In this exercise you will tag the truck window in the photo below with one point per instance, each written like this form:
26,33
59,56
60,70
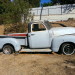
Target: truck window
38,27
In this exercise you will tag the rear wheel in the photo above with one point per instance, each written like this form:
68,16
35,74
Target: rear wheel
67,49
8,49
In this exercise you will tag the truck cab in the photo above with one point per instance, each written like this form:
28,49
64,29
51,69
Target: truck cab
38,35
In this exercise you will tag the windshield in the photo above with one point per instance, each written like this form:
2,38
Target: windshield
47,24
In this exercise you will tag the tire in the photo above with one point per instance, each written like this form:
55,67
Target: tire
8,49
67,49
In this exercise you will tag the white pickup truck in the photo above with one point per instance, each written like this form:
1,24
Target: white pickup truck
40,36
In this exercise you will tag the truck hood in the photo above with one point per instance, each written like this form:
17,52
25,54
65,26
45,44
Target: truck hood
57,31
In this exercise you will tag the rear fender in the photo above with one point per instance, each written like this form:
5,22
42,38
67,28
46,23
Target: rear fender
11,41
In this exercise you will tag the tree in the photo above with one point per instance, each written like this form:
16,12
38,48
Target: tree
47,4
1,8
63,1
21,8
11,12
54,2
34,3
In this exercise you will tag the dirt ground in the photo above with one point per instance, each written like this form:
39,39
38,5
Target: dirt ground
37,64
68,23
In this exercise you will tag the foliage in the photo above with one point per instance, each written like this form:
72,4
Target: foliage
63,1
54,2
34,3
47,4
11,12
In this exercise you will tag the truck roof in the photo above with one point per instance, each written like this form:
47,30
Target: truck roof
45,22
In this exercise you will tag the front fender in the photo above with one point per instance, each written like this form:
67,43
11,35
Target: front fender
57,41
11,41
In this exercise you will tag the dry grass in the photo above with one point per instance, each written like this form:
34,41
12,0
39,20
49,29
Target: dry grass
1,29
15,28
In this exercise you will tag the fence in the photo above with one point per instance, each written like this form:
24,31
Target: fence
54,13
54,10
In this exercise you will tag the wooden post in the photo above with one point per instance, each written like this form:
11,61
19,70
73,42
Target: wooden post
48,11
61,9
41,12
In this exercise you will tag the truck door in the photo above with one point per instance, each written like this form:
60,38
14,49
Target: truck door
39,36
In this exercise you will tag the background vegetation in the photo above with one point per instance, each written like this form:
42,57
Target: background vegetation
54,2
13,11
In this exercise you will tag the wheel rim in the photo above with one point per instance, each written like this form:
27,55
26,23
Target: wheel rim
7,50
68,49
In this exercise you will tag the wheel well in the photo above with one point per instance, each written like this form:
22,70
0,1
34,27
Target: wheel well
67,42
10,45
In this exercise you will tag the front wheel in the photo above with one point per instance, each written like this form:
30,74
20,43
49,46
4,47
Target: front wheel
67,49
8,49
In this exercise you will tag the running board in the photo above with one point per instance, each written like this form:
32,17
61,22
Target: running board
35,50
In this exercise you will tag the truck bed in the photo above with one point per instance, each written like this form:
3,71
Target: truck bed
20,37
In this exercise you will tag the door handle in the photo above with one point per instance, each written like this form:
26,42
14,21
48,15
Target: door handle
32,34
